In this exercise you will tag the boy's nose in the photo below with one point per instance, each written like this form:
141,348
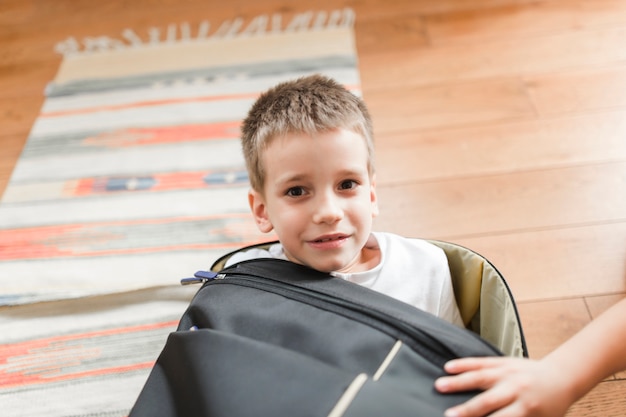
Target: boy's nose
328,210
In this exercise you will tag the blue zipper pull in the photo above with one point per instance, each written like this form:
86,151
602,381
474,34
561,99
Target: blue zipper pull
201,277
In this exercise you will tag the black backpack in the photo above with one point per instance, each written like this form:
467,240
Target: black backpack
268,337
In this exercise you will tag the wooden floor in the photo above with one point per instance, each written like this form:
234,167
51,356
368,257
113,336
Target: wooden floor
501,125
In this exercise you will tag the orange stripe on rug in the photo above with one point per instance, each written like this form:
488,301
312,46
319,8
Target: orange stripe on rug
127,237
162,135
149,103
41,360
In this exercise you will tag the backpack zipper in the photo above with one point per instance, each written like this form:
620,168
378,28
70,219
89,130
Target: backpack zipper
430,348
202,277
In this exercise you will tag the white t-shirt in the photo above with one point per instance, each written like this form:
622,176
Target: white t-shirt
410,270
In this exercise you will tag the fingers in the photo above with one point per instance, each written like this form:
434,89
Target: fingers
471,374
457,366
467,381
512,387
483,404
477,373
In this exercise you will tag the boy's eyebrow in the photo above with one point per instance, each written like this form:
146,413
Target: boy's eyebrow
285,179
356,172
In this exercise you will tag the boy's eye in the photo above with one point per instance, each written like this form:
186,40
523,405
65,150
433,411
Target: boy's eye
295,192
347,185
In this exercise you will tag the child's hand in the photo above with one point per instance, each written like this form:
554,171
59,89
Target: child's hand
512,388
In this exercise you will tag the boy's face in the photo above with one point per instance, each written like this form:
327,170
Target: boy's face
319,199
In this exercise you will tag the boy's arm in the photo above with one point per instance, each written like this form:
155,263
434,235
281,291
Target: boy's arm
547,387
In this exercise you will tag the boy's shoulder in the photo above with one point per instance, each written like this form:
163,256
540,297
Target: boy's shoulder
274,250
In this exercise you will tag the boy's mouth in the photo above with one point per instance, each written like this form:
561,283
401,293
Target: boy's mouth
329,238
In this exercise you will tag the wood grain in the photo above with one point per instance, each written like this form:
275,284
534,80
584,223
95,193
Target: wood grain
606,400
491,148
417,108
521,21
578,91
504,203
18,114
566,318
495,58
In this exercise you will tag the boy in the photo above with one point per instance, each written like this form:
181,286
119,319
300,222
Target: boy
308,146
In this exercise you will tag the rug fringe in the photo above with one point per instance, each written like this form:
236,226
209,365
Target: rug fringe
177,33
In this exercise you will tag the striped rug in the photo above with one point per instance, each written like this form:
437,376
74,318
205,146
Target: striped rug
132,174
131,179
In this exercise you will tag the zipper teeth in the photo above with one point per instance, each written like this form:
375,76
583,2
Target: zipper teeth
439,353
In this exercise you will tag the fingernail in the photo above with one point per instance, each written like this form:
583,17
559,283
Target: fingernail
450,365
441,384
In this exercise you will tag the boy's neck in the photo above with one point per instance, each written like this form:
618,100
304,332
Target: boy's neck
369,257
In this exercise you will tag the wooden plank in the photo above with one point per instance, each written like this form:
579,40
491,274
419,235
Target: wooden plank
578,91
408,108
566,318
598,304
608,399
557,263
428,7
19,114
500,148
26,79
504,203
492,59
18,12
115,15
524,20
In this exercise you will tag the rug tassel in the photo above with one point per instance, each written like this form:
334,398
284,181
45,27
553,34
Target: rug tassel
259,25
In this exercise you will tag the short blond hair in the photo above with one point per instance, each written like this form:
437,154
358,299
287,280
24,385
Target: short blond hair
308,105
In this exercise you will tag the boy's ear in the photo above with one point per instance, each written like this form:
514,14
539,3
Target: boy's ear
373,196
259,211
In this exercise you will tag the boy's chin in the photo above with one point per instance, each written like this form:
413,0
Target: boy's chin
327,263
326,267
